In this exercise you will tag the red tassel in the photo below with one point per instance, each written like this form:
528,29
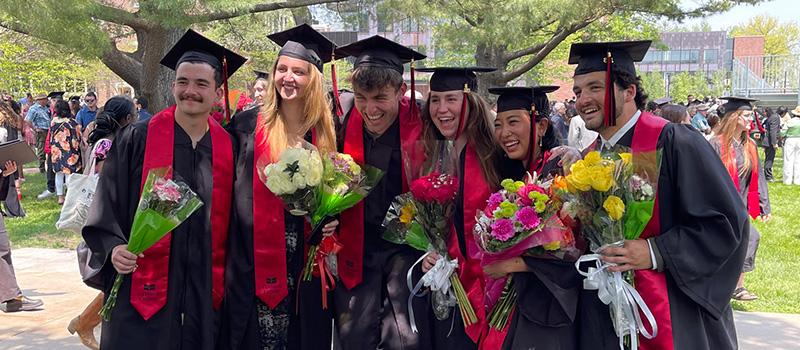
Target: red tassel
225,85
463,112
610,105
413,104
335,84
533,137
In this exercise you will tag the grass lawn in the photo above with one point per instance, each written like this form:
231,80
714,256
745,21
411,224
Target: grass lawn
775,279
38,228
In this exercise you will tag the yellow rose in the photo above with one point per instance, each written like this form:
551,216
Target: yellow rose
592,158
407,213
580,177
602,178
552,245
626,158
615,207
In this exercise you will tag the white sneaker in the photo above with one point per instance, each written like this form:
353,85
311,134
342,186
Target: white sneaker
45,194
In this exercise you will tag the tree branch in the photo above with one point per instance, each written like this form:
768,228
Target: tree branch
510,56
118,16
216,16
122,64
549,46
15,28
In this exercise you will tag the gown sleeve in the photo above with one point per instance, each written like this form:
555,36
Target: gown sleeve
763,191
549,293
704,224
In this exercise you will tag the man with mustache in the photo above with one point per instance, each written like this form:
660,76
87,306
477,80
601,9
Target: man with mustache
170,294
688,259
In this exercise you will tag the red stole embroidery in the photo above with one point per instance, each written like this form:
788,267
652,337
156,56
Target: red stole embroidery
351,233
652,285
149,281
269,234
729,159
470,272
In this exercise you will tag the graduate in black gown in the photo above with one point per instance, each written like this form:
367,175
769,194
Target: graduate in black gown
739,154
170,294
267,305
453,111
547,288
371,299
689,257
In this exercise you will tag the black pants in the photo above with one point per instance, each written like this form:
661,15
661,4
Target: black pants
769,159
51,176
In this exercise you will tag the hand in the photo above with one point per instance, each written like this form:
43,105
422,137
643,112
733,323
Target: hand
775,147
123,260
635,255
11,167
500,269
766,218
429,261
330,228
568,155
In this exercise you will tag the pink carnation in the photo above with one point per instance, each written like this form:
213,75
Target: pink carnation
494,201
503,229
527,216
524,193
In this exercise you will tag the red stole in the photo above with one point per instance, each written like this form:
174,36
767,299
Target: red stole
729,159
650,284
149,281
351,233
469,270
538,165
269,234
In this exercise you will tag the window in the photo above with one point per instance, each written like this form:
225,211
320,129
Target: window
384,25
410,25
682,56
710,56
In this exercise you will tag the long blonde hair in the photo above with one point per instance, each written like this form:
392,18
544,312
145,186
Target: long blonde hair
316,111
727,133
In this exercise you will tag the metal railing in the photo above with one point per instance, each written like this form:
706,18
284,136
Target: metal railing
765,75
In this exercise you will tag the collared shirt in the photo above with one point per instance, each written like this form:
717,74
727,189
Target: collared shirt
608,144
85,116
699,122
144,115
39,116
579,136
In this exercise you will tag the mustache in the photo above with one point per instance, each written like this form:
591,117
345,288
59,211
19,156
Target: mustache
184,97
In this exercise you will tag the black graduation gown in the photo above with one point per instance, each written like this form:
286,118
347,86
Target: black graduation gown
700,212
547,296
374,313
188,320
310,328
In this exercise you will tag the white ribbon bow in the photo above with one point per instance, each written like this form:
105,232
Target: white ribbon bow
437,278
612,290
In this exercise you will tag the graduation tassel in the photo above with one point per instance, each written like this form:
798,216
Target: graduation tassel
413,103
463,111
610,105
225,85
335,84
532,139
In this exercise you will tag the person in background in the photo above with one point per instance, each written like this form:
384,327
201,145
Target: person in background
713,124
699,121
579,136
739,154
87,114
558,119
675,114
11,125
38,118
75,105
141,105
65,152
791,148
771,139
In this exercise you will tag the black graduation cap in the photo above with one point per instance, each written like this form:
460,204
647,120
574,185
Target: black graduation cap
662,101
377,51
533,99
736,103
454,78
55,94
260,74
305,43
193,47
600,57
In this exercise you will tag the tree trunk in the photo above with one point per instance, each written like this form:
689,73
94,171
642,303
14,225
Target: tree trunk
490,56
301,15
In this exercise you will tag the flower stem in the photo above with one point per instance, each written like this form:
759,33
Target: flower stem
105,312
467,312
308,271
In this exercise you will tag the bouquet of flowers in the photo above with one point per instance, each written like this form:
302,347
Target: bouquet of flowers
614,196
294,178
422,219
163,205
518,218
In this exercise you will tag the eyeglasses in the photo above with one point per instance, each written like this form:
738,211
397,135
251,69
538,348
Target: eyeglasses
89,100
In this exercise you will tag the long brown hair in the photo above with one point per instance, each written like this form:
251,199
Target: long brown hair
8,116
317,114
727,133
478,130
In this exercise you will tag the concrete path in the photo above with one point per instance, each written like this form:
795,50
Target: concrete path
52,275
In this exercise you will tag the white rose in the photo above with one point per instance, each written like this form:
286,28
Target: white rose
285,184
274,185
299,181
314,175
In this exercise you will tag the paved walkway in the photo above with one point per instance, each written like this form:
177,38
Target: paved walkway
52,275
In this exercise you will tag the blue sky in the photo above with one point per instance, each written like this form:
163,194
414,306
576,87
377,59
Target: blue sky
784,10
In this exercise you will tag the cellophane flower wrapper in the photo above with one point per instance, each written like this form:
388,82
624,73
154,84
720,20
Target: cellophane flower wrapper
613,197
163,205
519,217
344,184
294,177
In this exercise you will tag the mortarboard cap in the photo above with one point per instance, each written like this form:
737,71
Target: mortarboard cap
55,94
522,97
260,74
377,51
662,101
305,43
591,57
454,78
736,103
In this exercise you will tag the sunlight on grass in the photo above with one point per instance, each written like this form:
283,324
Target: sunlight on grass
38,228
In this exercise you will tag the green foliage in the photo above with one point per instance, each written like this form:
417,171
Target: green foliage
688,83
779,38
653,84
38,229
